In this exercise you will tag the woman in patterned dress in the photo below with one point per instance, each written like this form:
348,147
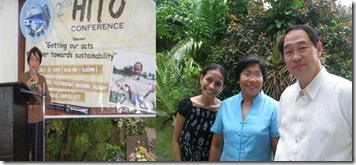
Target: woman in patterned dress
191,135
35,81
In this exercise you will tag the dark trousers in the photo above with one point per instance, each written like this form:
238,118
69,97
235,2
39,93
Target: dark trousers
35,137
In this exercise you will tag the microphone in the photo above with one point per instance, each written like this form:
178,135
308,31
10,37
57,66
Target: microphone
22,90
33,82
44,89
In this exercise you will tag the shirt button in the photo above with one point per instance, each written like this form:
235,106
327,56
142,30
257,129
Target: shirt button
297,140
300,119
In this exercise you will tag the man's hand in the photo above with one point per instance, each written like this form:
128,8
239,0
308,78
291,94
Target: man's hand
153,88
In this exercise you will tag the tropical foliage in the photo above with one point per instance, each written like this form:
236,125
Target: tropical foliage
192,26
176,79
193,33
91,139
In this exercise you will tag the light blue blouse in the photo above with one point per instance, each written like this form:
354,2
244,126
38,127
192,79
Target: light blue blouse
248,140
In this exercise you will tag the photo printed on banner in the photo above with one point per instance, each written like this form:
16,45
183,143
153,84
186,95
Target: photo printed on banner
133,82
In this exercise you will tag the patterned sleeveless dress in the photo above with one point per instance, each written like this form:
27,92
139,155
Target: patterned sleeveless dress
195,138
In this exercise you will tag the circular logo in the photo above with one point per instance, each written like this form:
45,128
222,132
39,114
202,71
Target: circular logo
36,19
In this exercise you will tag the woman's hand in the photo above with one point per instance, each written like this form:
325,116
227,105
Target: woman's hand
31,80
28,82
34,77
39,88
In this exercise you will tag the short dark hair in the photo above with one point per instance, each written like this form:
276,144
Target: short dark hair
34,50
247,61
140,65
310,31
214,66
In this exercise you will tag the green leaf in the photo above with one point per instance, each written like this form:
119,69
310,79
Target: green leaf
279,23
287,12
271,26
291,23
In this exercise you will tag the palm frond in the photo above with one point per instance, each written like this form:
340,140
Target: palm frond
278,77
186,46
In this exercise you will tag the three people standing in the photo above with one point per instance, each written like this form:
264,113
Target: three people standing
311,122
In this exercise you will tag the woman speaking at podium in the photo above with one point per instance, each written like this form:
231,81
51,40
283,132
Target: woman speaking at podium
34,82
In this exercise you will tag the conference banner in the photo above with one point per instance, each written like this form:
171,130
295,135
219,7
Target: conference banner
90,49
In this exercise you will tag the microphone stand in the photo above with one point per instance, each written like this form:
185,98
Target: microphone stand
43,95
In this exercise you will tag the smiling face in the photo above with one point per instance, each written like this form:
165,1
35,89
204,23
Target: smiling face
251,81
212,83
137,69
301,56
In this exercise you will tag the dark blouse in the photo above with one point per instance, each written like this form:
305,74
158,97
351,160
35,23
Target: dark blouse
195,138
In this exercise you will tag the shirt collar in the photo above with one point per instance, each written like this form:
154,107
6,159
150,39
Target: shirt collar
255,99
258,97
313,87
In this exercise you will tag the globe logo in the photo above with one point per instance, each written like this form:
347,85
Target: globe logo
36,19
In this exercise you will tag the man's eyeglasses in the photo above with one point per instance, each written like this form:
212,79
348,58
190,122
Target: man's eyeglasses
249,75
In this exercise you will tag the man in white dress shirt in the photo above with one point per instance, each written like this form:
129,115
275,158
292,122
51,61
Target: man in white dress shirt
315,114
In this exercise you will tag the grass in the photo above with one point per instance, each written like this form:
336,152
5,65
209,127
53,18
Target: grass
164,143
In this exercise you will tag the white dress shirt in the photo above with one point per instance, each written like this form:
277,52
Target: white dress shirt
315,123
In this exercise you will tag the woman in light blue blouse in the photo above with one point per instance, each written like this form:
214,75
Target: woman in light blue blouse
245,128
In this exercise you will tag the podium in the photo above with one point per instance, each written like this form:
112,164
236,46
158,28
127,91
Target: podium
13,121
